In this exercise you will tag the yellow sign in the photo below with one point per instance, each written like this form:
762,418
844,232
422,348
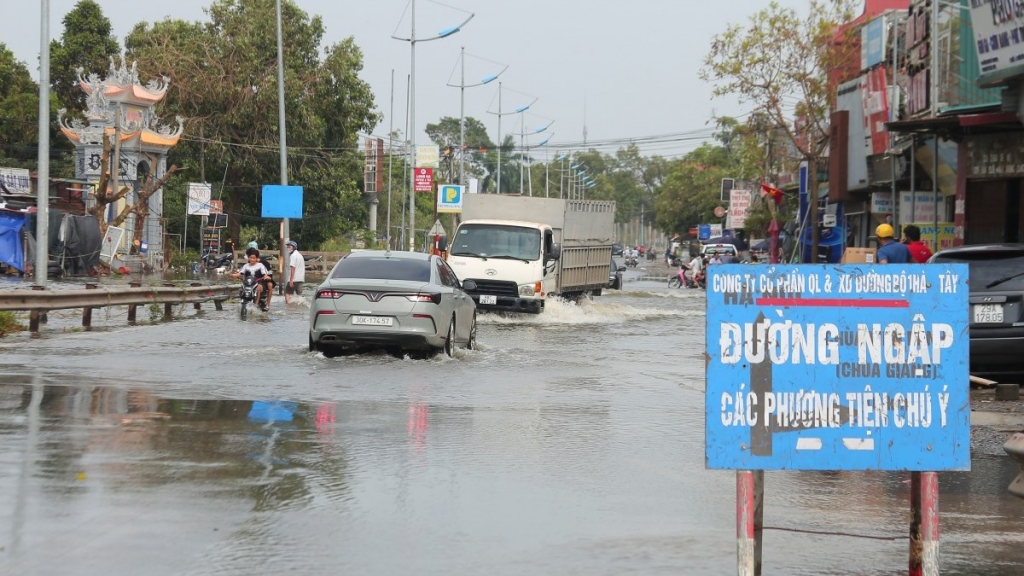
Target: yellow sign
947,233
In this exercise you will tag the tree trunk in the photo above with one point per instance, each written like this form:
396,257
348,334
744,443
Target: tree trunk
812,211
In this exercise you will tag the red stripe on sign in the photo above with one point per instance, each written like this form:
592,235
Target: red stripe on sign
832,303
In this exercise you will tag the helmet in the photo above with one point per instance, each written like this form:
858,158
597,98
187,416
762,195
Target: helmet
884,231
292,244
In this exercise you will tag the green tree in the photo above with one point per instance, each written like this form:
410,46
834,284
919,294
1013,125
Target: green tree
224,81
86,43
478,144
19,112
691,191
779,63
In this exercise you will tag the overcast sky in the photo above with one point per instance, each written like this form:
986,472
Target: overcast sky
625,70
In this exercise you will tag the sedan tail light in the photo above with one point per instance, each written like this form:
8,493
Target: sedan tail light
332,294
425,297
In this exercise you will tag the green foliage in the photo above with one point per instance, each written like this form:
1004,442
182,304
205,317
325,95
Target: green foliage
9,324
19,112
224,81
183,259
87,43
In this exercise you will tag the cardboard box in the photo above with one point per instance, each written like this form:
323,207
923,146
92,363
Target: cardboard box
858,256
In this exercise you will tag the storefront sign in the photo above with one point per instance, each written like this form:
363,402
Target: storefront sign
881,203
998,40
995,155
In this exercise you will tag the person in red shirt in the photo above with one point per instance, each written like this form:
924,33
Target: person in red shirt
919,251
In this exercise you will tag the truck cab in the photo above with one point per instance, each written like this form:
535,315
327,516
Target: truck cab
510,261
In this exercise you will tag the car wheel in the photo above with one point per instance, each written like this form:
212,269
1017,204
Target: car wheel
312,344
449,341
471,343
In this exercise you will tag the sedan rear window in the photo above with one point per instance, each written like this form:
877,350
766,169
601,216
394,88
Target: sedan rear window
993,270
383,269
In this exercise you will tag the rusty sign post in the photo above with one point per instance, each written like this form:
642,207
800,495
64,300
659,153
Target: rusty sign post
851,367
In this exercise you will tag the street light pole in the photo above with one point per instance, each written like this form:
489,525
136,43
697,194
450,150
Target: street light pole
462,108
284,147
522,108
43,172
412,110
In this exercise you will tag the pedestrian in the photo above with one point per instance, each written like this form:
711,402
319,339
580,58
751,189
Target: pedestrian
252,243
919,251
889,250
229,248
297,272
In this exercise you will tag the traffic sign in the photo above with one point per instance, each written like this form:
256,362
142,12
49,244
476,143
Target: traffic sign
449,199
824,367
423,180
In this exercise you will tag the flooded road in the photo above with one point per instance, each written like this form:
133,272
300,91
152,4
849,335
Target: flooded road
569,443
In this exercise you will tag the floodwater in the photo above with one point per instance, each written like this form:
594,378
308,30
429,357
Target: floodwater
569,443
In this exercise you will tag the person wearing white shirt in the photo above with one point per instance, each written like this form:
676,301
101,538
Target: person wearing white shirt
296,272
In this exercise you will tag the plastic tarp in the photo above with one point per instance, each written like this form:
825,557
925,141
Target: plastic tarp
11,251
82,244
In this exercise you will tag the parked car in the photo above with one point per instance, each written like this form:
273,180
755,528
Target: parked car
399,301
996,279
616,249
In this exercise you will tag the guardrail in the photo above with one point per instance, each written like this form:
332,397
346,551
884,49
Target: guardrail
38,301
1015,447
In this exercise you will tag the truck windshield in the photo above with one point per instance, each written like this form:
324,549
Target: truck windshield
496,241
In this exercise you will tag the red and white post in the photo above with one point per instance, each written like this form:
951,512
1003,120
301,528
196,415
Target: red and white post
749,521
924,527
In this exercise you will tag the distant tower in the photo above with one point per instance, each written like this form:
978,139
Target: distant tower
584,123
120,99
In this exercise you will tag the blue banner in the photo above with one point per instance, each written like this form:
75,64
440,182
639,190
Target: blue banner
854,367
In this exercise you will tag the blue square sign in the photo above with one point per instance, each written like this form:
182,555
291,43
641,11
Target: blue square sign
281,201
850,367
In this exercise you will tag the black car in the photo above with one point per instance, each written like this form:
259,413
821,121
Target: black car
996,283
616,249
615,276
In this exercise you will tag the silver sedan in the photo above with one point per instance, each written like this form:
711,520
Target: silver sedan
399,301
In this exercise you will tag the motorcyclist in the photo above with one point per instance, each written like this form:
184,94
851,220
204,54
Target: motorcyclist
258,271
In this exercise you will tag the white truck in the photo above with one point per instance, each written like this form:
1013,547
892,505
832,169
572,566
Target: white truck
520,250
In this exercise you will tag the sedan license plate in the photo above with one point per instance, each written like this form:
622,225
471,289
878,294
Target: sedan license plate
372,320
988,313
486,299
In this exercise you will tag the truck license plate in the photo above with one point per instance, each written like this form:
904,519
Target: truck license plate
486,299
372,320
988,313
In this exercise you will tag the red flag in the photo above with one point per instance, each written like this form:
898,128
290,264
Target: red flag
775,193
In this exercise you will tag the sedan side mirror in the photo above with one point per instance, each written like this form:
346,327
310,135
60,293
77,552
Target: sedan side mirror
622,268
468,285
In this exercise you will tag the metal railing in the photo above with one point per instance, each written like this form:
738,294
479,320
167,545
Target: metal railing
37,301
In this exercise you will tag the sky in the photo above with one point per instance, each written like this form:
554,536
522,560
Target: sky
625,71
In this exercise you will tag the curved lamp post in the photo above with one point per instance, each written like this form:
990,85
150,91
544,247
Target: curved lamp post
412,40
523,149
462,106
499,113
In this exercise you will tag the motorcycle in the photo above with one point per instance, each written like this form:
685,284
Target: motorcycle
219,262
680,280
247,294
631,262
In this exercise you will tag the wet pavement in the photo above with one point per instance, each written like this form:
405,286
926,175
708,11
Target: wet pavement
569,443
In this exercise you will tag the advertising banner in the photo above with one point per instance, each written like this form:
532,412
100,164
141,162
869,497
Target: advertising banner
739,202
427,156
449,199
997,40
199,199
423,180
873,43
876,112
16,180
837,367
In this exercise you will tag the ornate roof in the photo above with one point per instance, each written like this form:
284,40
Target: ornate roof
119,99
